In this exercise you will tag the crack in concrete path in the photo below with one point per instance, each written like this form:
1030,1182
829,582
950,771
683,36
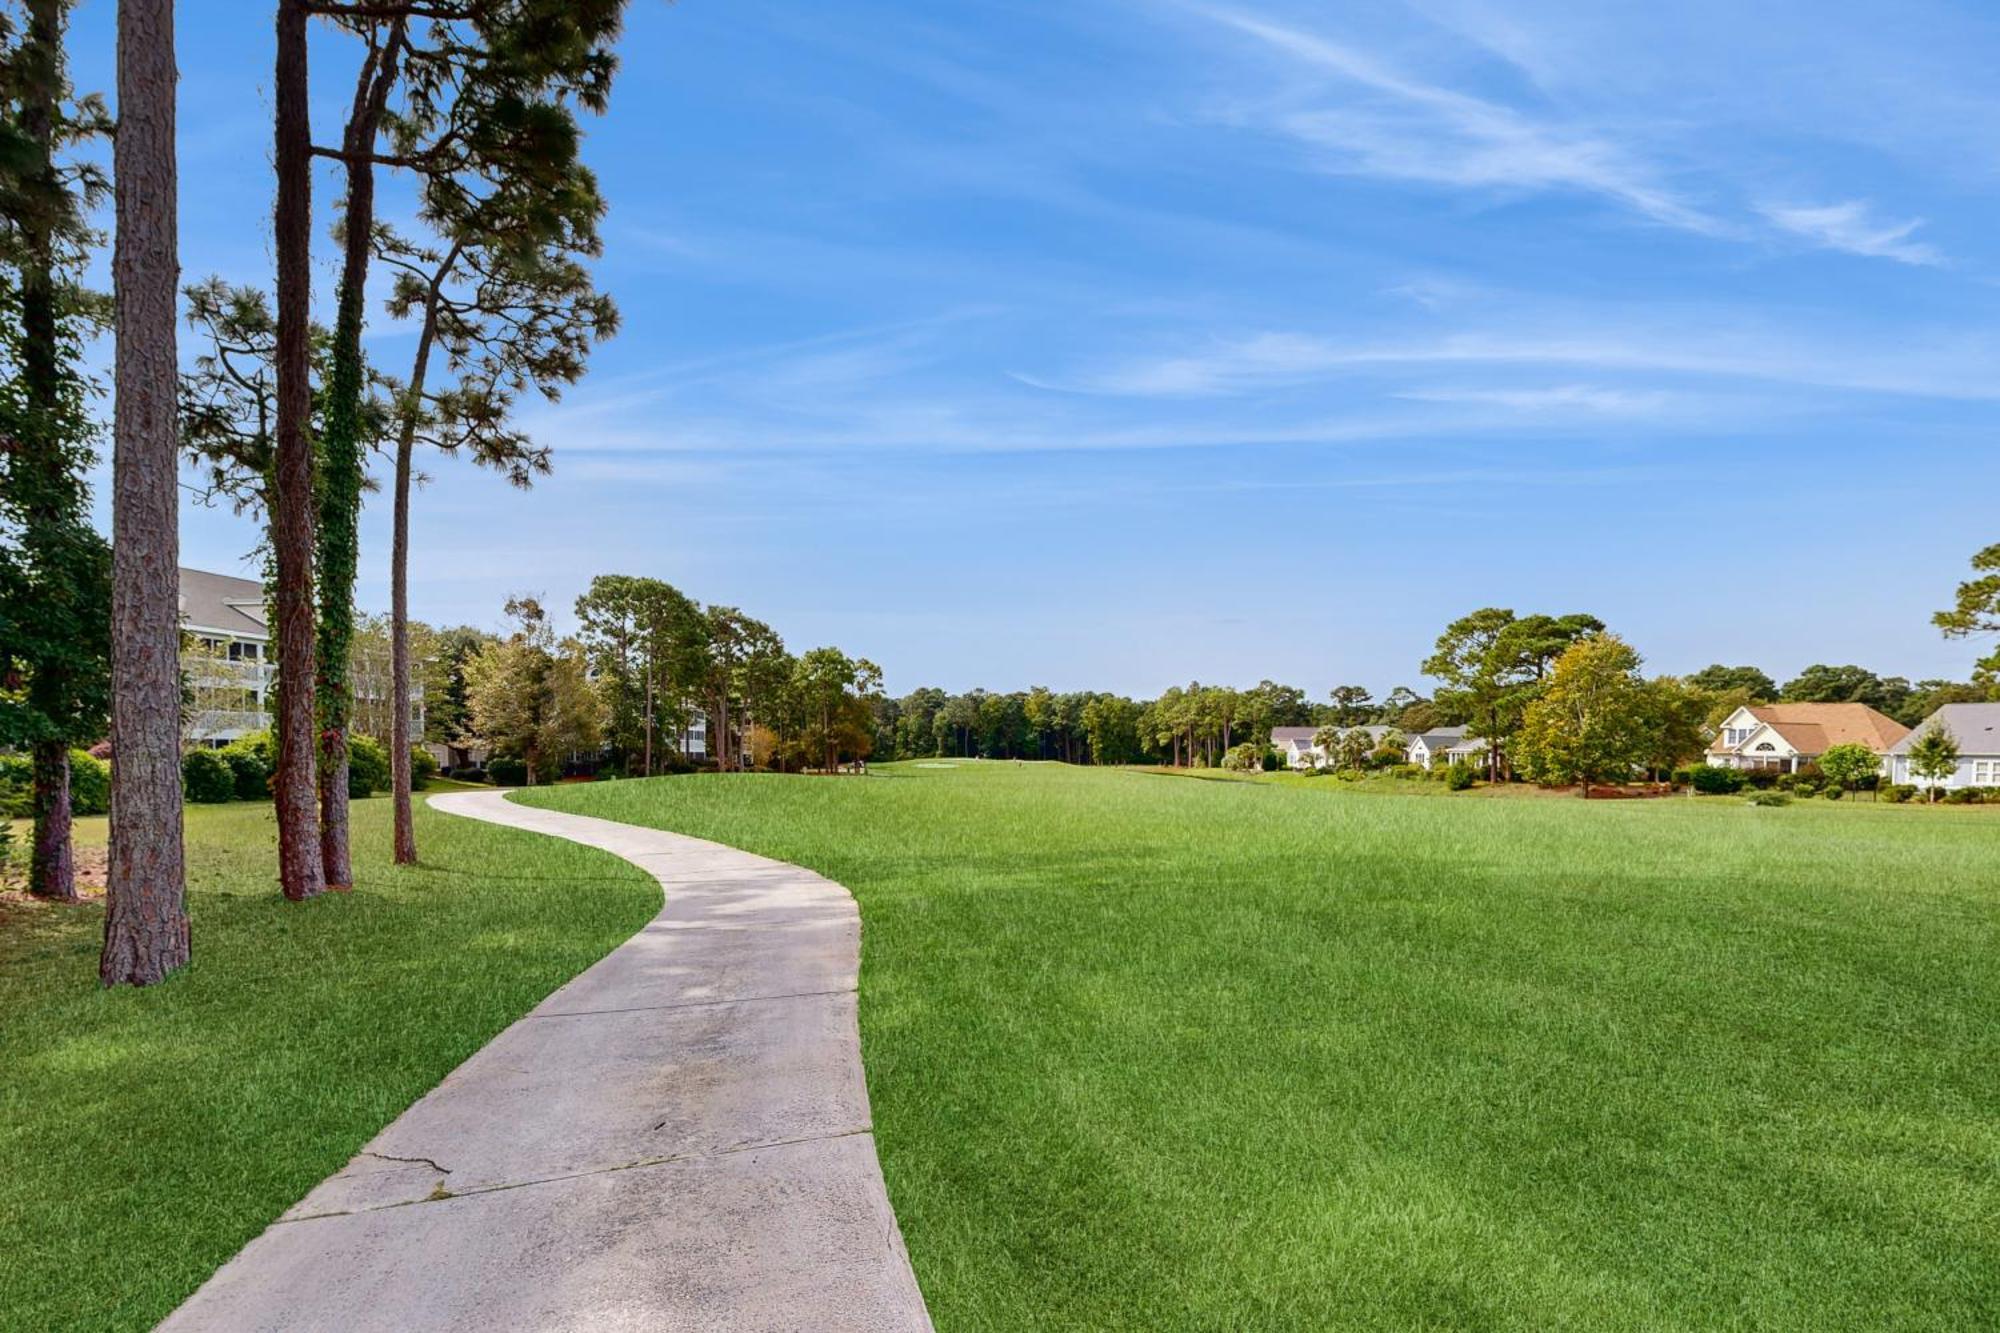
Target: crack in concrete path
681,1060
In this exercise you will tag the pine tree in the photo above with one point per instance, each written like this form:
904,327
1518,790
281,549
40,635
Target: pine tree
55,570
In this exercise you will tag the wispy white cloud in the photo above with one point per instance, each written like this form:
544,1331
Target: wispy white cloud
1962,367
1560,397
1412,129
1852,227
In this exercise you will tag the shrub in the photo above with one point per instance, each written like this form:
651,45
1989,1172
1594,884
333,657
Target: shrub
1245,758
1408,772
1711,780
1833,793
252,773
1805,787
89,784
423,767
1963,796
1898,793
506,772
1458,777
367,767
1769,798
1682,777
207,778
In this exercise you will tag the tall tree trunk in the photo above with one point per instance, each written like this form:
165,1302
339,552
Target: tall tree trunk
300,869
56,500
399,658
52,867
399,585
341,465
145,918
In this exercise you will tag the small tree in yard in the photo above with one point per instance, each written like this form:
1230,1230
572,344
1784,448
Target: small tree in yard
1934,756
1851,764
1590,722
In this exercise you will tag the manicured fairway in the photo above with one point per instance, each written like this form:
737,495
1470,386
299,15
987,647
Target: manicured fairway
1150,1053
145,1136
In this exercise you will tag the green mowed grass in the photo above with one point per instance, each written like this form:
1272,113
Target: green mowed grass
1150,1053
145,1136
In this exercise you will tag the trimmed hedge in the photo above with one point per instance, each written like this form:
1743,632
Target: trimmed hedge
207,778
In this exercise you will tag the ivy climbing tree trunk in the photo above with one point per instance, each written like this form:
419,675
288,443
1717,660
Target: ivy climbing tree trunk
145,918
340,457
301,871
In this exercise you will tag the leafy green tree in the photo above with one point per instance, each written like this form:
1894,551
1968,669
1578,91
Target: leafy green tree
1757,686
55,571
531,697
1353,750
831,693
1111,726
1675,714
1823,684
648,645
1934,756
1977,611
1492,664
1353,705
1590,724
1849,764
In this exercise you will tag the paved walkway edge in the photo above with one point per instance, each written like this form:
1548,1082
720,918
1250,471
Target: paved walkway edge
679,1138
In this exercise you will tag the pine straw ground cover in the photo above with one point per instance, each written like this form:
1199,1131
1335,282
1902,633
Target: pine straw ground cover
1148,1053
146,1135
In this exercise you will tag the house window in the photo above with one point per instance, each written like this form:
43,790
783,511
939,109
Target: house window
240,651
1767,748
1735,735
1986,772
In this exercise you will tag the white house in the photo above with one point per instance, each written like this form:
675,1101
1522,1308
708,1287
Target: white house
1976,728
1446,745
1786,737
1295,746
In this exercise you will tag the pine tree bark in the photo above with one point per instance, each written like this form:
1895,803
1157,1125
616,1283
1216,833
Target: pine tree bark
399,593
145,919
340,464
52,865
300,869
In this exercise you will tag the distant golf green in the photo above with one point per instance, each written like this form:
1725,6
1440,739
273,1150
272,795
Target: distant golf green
1148,1053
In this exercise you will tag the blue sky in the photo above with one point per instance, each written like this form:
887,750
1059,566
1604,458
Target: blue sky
1106,344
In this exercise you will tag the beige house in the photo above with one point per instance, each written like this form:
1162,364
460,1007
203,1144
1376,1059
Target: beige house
1787,737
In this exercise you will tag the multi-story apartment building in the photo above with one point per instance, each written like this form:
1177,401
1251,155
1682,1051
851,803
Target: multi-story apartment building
227,662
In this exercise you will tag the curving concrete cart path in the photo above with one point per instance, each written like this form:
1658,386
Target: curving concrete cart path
677,1139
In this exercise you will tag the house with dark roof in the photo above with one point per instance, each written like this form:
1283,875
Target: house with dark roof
1975,728
1446,745
226,658
1787,737
1295,746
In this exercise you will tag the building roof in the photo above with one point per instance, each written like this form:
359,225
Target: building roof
1282,736
219,602
1442,738
1976,728
1817,728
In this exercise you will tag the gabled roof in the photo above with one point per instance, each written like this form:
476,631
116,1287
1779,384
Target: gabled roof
1817,728
1976,728
217,601
1288,735
1442,738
